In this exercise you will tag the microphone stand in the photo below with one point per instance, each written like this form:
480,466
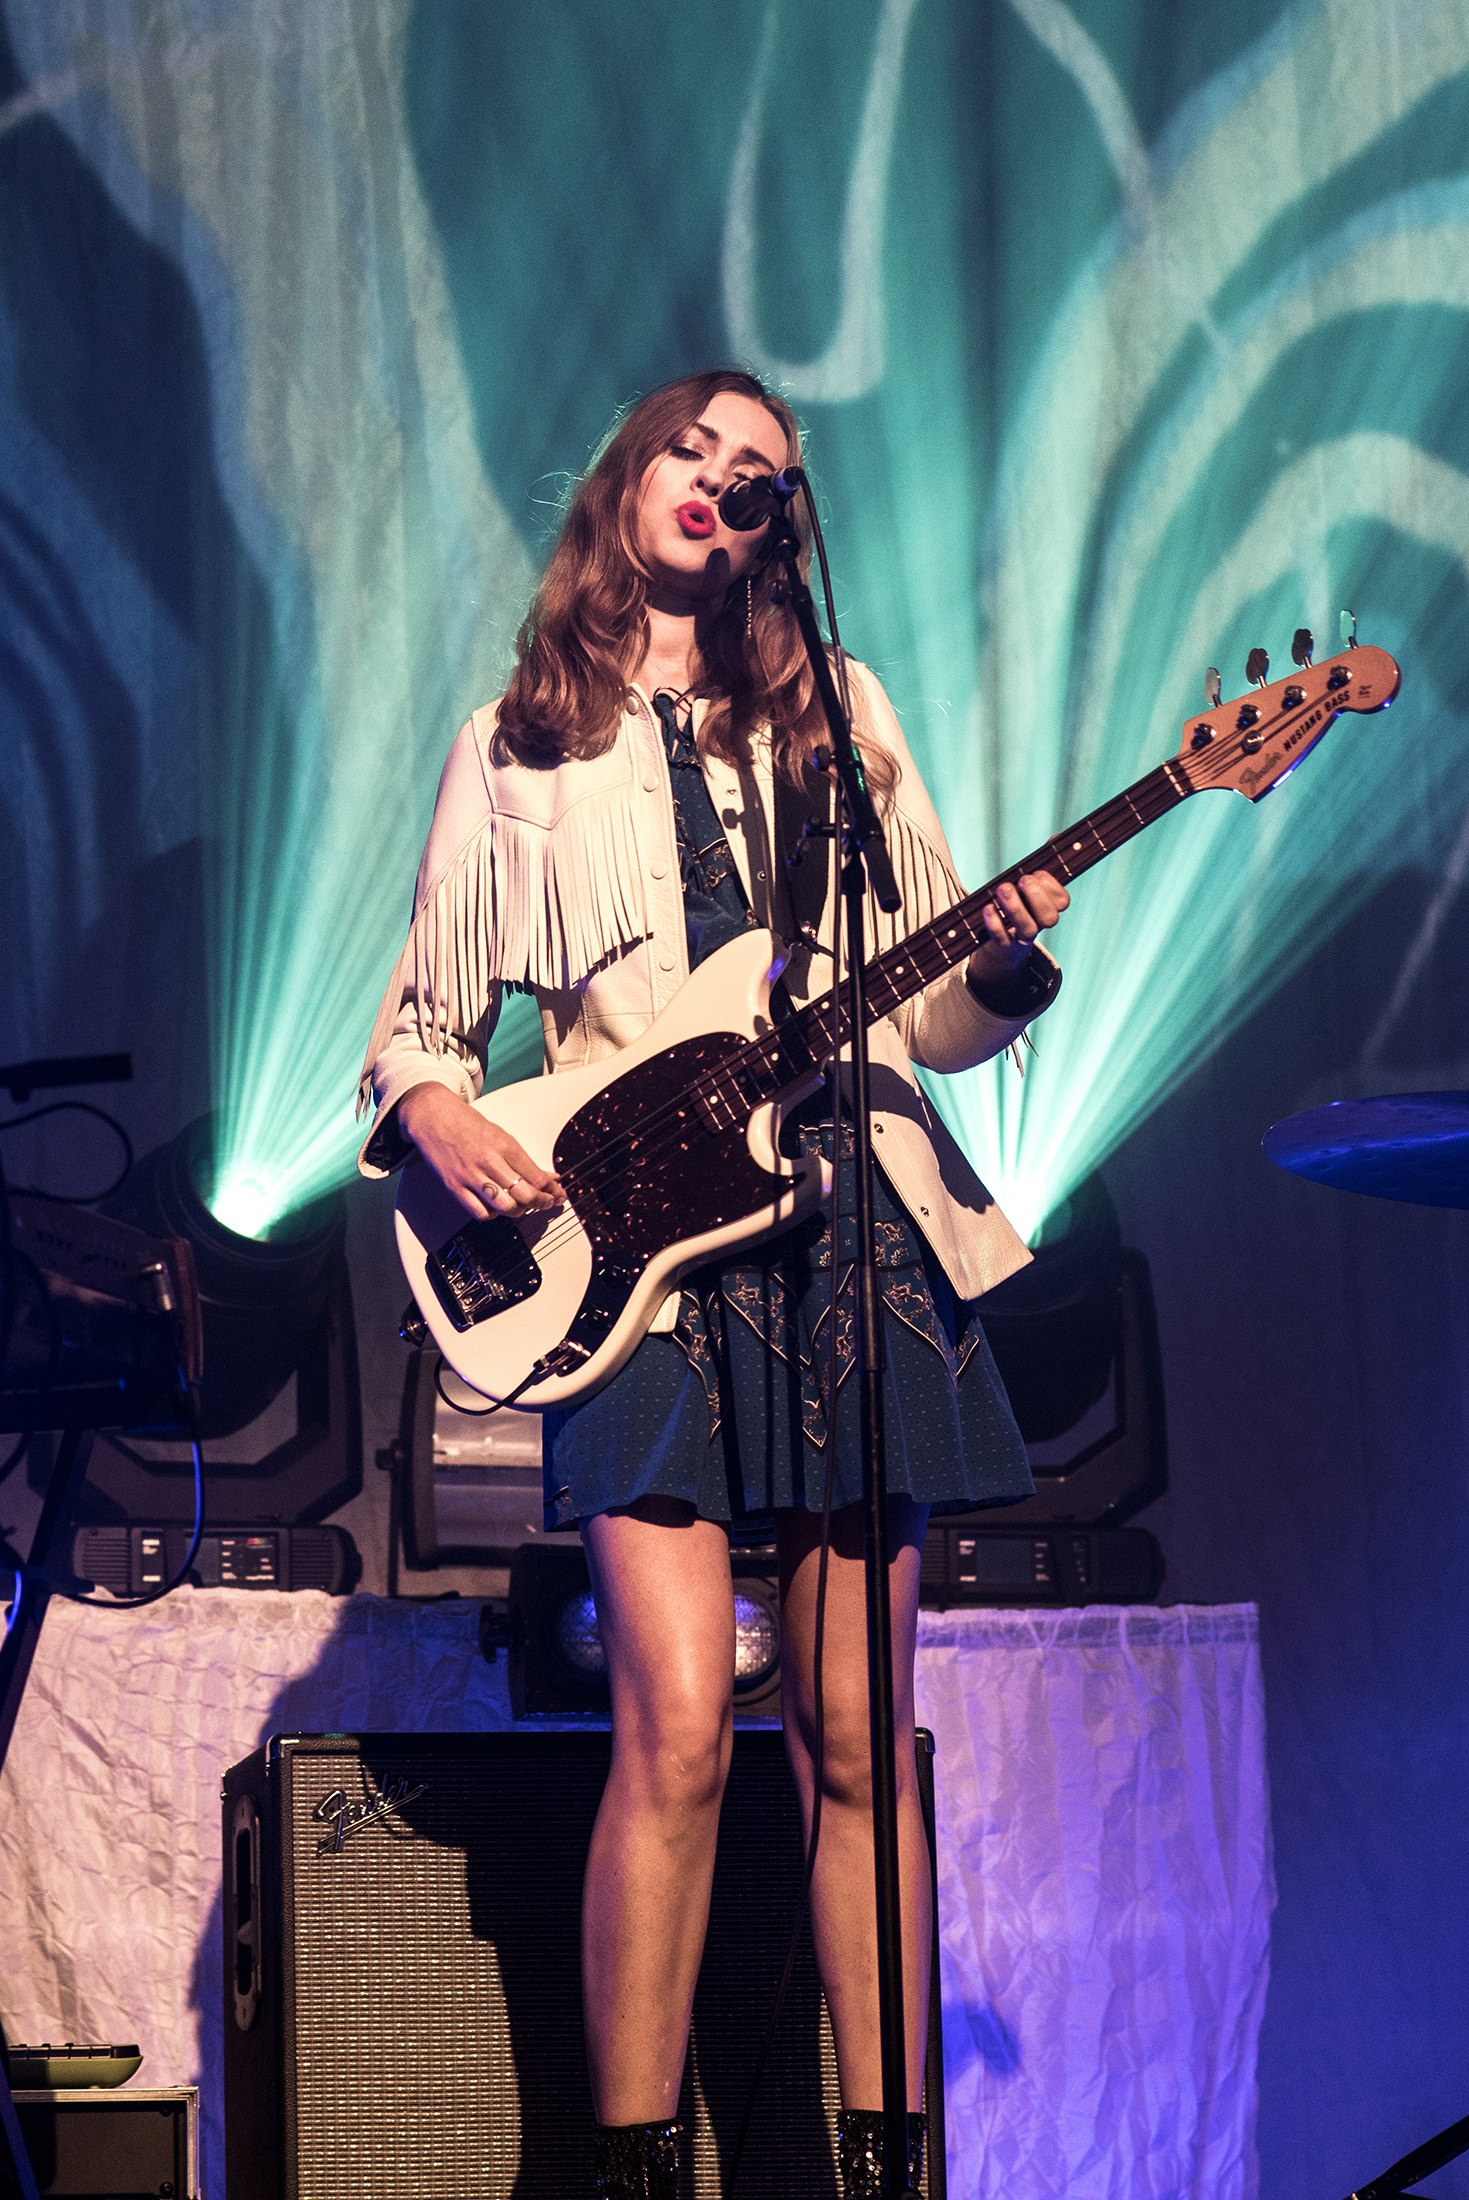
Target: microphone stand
864,856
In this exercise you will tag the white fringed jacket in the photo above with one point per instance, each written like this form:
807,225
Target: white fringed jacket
566,878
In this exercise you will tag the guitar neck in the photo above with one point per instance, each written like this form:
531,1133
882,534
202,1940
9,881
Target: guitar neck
935,947
793,1049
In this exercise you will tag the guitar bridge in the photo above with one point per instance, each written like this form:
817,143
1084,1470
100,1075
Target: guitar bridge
483,1268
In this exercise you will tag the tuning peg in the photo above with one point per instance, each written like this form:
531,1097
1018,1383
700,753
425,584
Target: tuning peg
1349,630
1302,646
1211,686
1257,667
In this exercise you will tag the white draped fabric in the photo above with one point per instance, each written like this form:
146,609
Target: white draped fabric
1104,1856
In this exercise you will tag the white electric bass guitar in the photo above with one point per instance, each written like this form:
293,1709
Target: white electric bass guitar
669,1155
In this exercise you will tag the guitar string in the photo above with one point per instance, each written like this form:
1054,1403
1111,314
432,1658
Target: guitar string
658,1137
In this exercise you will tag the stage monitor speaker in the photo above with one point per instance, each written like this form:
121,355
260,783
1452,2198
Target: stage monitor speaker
402,2005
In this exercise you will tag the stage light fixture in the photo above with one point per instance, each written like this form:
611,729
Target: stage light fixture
245,1203
1054,1325
757,1633
558,1668
578,1637
467,1487
1075,1339
279,1359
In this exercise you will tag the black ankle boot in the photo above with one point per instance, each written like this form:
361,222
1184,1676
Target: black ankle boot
637,2162
859,2151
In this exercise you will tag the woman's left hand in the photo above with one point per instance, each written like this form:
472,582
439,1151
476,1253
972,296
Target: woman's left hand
1014,921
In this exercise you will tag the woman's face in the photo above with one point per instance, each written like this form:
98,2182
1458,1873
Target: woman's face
689,551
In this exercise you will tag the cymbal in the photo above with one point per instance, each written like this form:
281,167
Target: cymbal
1405,1145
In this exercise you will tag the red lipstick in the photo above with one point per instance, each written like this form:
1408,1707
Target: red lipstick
696,520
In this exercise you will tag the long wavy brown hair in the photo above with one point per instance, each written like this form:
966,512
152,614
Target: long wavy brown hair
587,628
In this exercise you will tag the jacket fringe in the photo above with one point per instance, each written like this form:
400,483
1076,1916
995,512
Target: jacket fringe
522,906
926,883
517,906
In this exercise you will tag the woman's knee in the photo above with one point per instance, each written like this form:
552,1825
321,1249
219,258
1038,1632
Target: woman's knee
673,1753
846,1743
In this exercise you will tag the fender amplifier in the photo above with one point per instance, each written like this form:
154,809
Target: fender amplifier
402,1975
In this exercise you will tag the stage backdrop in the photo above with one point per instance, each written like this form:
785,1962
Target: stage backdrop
1128,336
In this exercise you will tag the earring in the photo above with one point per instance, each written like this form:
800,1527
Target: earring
749,605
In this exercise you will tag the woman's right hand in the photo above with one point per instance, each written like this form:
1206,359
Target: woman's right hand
488,1171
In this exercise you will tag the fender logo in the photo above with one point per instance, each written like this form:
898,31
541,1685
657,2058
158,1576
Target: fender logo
346,1818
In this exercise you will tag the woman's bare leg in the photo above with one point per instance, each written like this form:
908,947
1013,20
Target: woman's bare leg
843,1893
666,1612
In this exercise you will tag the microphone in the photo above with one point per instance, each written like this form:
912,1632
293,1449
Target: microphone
749,504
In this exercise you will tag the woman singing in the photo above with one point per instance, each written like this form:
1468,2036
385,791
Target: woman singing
622,813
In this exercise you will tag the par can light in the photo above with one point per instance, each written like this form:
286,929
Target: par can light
558,1668
578,1638
757,1636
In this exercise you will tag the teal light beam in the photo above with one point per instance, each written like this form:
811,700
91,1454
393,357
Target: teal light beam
270,159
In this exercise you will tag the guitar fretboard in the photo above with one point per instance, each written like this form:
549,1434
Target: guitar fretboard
791,1051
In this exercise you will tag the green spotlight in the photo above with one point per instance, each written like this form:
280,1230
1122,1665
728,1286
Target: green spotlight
246,1203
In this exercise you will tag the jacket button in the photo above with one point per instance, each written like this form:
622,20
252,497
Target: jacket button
665,962
761,876
650,784
657,870
923,1210
878,1128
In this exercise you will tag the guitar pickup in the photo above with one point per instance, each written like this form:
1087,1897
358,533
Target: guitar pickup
483,1268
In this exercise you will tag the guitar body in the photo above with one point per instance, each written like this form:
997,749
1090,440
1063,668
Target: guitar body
576,1288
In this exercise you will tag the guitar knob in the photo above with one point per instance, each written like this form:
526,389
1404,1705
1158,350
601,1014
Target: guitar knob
1340,678
1249,716
1293,698
1203,734
1257,667
1302,645
1252,742
1211,687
